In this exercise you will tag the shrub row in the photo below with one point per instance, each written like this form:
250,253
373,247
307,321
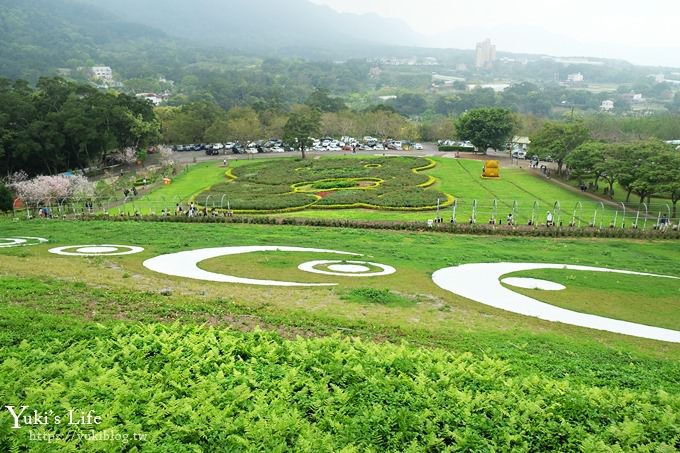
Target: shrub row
456,148
444,227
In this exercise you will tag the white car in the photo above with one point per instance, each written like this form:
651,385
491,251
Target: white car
519,154
418,146
278,149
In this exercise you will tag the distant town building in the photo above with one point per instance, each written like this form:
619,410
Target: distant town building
153,97
374,72
638,97
102,72
575,78
461,67
520,142
659,78
607,105
575,60
485,54
387,97
497,87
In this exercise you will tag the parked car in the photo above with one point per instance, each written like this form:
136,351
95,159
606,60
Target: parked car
417,146
519,154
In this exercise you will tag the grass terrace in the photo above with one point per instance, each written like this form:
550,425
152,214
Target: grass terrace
384,363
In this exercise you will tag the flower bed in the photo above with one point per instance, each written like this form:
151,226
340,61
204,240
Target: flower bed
392,183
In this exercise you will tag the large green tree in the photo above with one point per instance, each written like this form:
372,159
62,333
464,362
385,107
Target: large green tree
642,167
558,140
585,160
671,183
303,123
6,198
487,127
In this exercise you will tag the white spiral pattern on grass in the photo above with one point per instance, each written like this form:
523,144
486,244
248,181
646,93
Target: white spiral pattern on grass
480,282
96,250
20,241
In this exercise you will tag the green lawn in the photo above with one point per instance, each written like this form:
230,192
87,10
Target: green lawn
165,356
531,195
184,186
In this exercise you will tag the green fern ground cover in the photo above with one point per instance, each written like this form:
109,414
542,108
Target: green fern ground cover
186,370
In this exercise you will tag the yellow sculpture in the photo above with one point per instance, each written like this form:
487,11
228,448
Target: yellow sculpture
492,169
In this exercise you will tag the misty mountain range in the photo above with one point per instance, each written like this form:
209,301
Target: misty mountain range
37,36
261,25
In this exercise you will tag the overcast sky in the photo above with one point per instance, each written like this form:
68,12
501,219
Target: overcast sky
643,32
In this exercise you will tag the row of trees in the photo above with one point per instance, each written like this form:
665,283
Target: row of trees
642,167
207,122
59,125
646,168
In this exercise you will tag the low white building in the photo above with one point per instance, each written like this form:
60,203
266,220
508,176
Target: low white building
518,142
575,78
607,105
153,97
102,72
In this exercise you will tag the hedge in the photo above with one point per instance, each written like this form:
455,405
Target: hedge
444,227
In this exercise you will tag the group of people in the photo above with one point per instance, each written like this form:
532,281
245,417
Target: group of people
130,192
194,211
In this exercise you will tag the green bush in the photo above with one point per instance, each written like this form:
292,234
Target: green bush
456,148
6,198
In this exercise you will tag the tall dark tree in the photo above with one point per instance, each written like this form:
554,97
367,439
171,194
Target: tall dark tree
487,127
558,140
642,169
6,198
321,100
671,183
302,124
583,162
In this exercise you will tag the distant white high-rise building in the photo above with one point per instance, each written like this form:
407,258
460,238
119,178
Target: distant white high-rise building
485,54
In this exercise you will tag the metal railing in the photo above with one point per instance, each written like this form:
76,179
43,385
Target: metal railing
520,212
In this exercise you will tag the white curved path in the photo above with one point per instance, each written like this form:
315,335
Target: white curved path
185,264
480,282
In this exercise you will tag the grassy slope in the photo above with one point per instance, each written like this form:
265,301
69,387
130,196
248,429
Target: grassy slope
184,186
72,323
435,317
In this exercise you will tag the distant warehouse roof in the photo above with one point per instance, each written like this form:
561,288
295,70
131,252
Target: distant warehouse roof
521,140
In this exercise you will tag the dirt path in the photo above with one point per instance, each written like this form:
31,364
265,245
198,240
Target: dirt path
571,188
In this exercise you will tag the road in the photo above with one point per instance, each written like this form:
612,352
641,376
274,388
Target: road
429,150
